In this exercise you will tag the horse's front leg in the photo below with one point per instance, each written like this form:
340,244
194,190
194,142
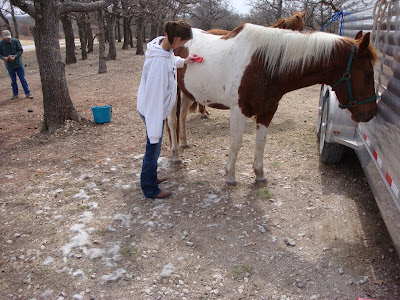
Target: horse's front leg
237,123
173,124
185,105
258,165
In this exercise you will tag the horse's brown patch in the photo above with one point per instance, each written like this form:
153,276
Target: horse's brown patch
234,32
217,31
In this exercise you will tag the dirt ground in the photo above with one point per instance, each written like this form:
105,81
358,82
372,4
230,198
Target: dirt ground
75,225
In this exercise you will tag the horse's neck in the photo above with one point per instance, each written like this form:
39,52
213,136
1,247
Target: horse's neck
317,73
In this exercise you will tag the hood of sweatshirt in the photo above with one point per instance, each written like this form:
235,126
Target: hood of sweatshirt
154,49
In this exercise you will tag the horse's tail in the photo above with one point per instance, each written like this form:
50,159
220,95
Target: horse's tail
193,107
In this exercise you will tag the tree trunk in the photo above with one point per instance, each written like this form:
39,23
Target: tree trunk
89,34
81,21
153,30
125,25
130,37
69,39
139,36
279,12
112,50
102,43
7,23
57,103
14,22
119,30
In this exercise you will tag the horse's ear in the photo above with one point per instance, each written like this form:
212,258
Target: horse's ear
358,35
303,14
364,43
295,12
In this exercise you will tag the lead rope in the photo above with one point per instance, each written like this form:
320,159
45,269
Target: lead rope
379,15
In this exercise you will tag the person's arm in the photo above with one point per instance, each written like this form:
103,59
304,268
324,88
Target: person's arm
19,50
2,55
156,85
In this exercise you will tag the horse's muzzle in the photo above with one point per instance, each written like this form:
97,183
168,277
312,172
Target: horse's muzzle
363,116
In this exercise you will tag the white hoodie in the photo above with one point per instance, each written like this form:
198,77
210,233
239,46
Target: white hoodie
158,86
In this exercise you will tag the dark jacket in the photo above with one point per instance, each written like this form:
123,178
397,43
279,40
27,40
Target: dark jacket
11,48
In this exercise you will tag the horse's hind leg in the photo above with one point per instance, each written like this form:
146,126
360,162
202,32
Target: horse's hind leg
258,165
185,104
237,123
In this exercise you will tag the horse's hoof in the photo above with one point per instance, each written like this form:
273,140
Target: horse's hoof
185,146
177,161
205,117
261,181
231,183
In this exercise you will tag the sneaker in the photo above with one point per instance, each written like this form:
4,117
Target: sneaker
14,97
29,96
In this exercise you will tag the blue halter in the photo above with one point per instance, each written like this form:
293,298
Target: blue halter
346,77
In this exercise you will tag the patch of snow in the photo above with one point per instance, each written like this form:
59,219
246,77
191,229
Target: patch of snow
81,239
94,253
48,261
82,195
86,217
93,205
58,191
167,270
163,163
79,272
125,220
113,276
76,227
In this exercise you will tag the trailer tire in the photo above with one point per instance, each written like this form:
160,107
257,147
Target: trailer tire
330,153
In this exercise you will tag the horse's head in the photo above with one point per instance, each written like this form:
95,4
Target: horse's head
355,89
295,22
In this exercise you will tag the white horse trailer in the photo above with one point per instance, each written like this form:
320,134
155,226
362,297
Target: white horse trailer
376,143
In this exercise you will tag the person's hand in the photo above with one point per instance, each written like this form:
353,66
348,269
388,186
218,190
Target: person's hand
6,58
12,57
189,59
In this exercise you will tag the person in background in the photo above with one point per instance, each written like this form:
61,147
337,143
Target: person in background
157,95
11,52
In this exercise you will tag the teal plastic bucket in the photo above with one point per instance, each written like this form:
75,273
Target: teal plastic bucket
102,114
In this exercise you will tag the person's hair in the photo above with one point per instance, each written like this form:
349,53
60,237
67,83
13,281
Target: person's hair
179,28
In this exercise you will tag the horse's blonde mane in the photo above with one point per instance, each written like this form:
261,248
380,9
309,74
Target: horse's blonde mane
286,50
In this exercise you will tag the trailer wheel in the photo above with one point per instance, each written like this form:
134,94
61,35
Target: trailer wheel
329,152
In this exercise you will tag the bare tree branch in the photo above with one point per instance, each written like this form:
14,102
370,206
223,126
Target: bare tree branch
73,6
26,6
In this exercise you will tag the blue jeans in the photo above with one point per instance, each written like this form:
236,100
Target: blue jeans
21,74
148,177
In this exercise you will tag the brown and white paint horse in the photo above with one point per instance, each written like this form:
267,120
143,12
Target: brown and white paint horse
249,70
184,105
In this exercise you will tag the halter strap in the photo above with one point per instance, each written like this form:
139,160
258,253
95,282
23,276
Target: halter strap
346,77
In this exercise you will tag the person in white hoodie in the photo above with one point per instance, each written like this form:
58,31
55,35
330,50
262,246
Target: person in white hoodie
157,95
